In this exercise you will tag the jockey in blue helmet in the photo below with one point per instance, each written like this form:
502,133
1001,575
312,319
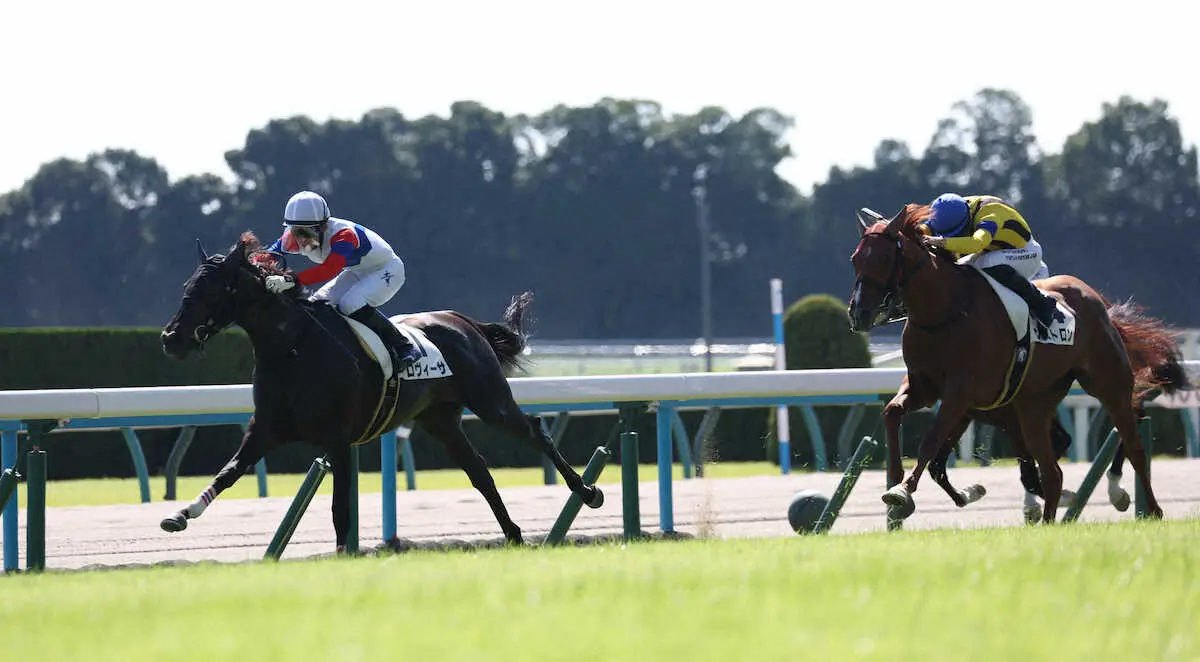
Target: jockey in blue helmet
990,235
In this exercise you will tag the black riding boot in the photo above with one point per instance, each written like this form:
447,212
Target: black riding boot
403,352
1041,306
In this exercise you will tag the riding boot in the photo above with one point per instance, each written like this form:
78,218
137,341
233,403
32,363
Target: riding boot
1041,306
403,352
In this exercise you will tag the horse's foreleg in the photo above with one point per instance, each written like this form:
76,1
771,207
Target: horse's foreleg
937,471
340,506
948,418
908,398
1117,495
248,454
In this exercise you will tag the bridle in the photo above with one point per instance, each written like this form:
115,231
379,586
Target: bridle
890,303
217,320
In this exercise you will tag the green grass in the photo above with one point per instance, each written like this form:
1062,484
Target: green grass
1085,592
110,491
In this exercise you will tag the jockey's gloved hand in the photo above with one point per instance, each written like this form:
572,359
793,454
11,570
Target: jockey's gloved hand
279,284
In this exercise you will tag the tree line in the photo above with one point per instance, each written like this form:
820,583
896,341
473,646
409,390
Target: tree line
594,209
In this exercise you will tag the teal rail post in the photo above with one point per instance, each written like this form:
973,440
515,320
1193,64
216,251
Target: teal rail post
171,471
260,473
35,513
387,479
8,487
1192,430
1146,432
352,531
863,456
260,469
283,534
666,506
846,433
35,489
1067,420
704,433
1103,459
630,511
8,462
555,432
139,462
815,435
683,445
410,463
565,518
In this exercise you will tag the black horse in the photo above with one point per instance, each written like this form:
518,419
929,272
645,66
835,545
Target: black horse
314,382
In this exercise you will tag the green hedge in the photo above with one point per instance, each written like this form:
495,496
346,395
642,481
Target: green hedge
35,358
817,336
114,357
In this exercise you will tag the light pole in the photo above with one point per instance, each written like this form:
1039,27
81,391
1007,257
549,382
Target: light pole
700,191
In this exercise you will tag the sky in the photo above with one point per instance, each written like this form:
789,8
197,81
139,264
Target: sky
184,82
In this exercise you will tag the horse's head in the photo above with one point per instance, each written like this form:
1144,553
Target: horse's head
213,298
888,253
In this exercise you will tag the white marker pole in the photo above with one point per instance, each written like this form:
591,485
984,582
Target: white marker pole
781,412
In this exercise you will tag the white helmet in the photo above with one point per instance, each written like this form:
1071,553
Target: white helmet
305,208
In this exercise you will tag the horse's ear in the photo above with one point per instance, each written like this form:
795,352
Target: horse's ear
895,224
239,250
865,213
200,250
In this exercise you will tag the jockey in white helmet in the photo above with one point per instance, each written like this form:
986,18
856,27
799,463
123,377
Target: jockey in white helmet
362,270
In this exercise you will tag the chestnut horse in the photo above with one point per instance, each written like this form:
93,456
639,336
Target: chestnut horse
958,345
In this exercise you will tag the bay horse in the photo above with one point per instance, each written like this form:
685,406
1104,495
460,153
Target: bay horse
958,345
314,382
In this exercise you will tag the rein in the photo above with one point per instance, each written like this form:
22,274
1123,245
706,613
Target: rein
902,273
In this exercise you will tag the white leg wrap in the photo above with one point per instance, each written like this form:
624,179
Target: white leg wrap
1114,483
196,508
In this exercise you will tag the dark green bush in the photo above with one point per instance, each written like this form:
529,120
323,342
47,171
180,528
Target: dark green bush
817,336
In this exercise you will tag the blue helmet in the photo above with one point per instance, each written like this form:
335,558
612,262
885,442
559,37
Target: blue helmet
950,214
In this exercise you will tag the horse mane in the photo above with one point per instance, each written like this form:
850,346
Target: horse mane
914,215
257,256
911,218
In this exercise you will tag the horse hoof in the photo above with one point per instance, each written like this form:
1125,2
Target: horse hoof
897,496
174,523
1033,514
975,492
1120,500
1154,513
597,498
900,503
1066,498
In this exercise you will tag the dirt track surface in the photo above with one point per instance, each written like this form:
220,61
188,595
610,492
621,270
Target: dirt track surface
239,530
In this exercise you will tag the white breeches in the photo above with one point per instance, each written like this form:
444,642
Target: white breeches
1026,260
351,290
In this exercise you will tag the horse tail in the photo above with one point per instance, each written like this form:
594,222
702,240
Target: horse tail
1153,351
508,338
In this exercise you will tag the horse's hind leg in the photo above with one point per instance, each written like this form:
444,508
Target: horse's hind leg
937,471
1116,396
254,446
444,422
508,416
1035,433
1117,495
